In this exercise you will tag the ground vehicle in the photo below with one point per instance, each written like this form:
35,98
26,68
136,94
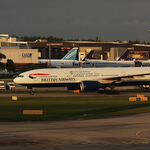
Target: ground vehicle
2,85
144,86
10,86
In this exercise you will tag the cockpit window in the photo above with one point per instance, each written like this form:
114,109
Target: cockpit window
21,76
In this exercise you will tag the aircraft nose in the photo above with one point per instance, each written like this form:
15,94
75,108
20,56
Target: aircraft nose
15,80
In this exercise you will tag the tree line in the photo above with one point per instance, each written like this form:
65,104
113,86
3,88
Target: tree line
53,38
34,38
9,65
11,68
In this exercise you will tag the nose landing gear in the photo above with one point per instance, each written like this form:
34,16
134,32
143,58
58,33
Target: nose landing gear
31,92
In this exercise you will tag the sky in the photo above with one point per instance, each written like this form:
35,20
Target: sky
109,20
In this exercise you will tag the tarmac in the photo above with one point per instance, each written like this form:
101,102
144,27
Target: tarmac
119,133
129,94
72,94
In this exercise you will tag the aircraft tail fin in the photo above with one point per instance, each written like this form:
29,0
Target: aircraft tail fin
124,55
89,55
71,55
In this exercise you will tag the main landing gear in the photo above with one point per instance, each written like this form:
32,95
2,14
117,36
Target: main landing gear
111,91
102,91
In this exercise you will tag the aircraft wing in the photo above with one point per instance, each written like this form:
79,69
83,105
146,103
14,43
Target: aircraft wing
108,80
117,79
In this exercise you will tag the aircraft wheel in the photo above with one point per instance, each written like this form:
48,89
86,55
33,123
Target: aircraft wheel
101,91
31,92
7,87
108,92
112,92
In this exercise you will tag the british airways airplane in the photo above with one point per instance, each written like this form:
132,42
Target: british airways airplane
84,79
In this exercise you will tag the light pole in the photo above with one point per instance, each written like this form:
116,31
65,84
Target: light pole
49,44
49,54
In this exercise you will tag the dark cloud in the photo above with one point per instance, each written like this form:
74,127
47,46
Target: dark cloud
107,19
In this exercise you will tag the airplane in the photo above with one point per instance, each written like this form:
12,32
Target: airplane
137,63
145,62
84,79
124,55
89,55
67,61
106,63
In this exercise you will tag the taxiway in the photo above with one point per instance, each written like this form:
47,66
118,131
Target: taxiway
130,132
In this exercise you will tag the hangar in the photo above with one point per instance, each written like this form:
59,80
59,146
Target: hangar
20,52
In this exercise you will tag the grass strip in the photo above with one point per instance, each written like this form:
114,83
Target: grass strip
66,108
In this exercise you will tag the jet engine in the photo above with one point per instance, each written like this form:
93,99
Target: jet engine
138,63
89,85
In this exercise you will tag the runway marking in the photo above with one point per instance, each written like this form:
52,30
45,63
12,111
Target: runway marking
137,134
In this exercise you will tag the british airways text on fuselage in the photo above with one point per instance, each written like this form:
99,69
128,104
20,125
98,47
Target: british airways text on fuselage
72,75
56,79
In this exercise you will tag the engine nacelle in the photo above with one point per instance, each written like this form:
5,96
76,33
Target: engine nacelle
138,63
89,85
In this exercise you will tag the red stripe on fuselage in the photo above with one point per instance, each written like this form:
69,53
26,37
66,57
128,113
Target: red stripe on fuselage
39,74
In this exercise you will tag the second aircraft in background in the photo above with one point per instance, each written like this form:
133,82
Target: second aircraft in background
69,61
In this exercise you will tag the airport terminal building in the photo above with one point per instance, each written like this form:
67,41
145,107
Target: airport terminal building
20,52
23,53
